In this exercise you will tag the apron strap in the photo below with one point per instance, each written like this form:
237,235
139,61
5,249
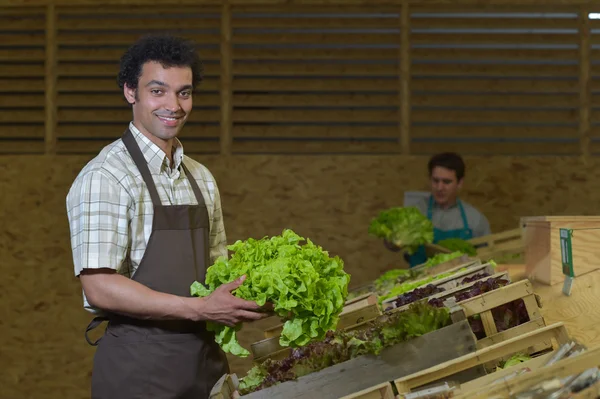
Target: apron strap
430,207
194,184
141,164
96,321
463,215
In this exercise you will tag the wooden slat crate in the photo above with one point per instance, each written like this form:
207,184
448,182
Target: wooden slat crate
444,370
542,246
380,391
453,281
481,388
483,305
364,372
448,293
501,245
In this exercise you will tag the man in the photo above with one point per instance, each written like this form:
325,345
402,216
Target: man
145,223
451,217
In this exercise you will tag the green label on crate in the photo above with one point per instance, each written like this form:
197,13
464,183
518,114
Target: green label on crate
566,252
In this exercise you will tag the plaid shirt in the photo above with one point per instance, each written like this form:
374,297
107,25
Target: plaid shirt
110,210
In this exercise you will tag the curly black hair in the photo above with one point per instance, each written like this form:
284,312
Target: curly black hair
166,49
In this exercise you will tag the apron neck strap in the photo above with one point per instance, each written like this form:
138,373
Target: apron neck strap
194,184
463,214
142,165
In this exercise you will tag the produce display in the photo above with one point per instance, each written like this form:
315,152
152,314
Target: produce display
410,285
417,294
340,346
505,316
307,287
514,360
405,227
458,245
441,258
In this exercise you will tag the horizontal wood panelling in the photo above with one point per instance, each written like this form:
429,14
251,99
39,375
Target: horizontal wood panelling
109,85
21,131
493,116
497,148
495,100
315,132
117,100
318,78
22,85
94,146
115,131
22,100
90,45
17,69
17,146
22,54
480,131
314,146
317,115
22,115
123,115
323,99
83,53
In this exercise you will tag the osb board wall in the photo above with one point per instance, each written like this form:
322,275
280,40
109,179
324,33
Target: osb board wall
329,199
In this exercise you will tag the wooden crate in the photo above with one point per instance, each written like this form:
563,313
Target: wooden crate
450,282
445,370
379,391
364,372
542,246
481,388
462,261
450,292
500,245
483,305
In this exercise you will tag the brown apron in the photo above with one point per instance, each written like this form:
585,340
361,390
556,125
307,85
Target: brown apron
162,359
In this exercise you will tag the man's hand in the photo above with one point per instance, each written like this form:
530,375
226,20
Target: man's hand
224,308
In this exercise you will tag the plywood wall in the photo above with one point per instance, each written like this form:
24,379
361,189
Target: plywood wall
329,199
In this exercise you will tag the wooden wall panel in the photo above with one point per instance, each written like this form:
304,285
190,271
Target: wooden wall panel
302,71
485,78
329,199
22,55
91,108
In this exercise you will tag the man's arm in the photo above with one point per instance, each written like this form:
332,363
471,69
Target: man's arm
112,292
99,211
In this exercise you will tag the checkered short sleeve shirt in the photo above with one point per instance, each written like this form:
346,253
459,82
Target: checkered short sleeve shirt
110,210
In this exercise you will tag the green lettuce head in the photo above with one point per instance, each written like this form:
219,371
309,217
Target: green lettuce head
307,287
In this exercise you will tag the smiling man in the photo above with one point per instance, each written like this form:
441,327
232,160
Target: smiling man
451,217
145,222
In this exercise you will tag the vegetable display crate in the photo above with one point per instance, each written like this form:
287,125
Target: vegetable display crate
365,372
450,282
356,311
518,298
444,371
542,246
360,306
380,391
500,245
508,383
448,293
463,261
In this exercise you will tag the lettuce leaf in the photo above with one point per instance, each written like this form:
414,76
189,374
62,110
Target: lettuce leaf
307,287
405,227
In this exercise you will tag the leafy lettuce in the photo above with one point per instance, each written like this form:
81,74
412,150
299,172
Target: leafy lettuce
404,227
307,287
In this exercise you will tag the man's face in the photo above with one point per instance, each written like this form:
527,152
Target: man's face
162,101
444,185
